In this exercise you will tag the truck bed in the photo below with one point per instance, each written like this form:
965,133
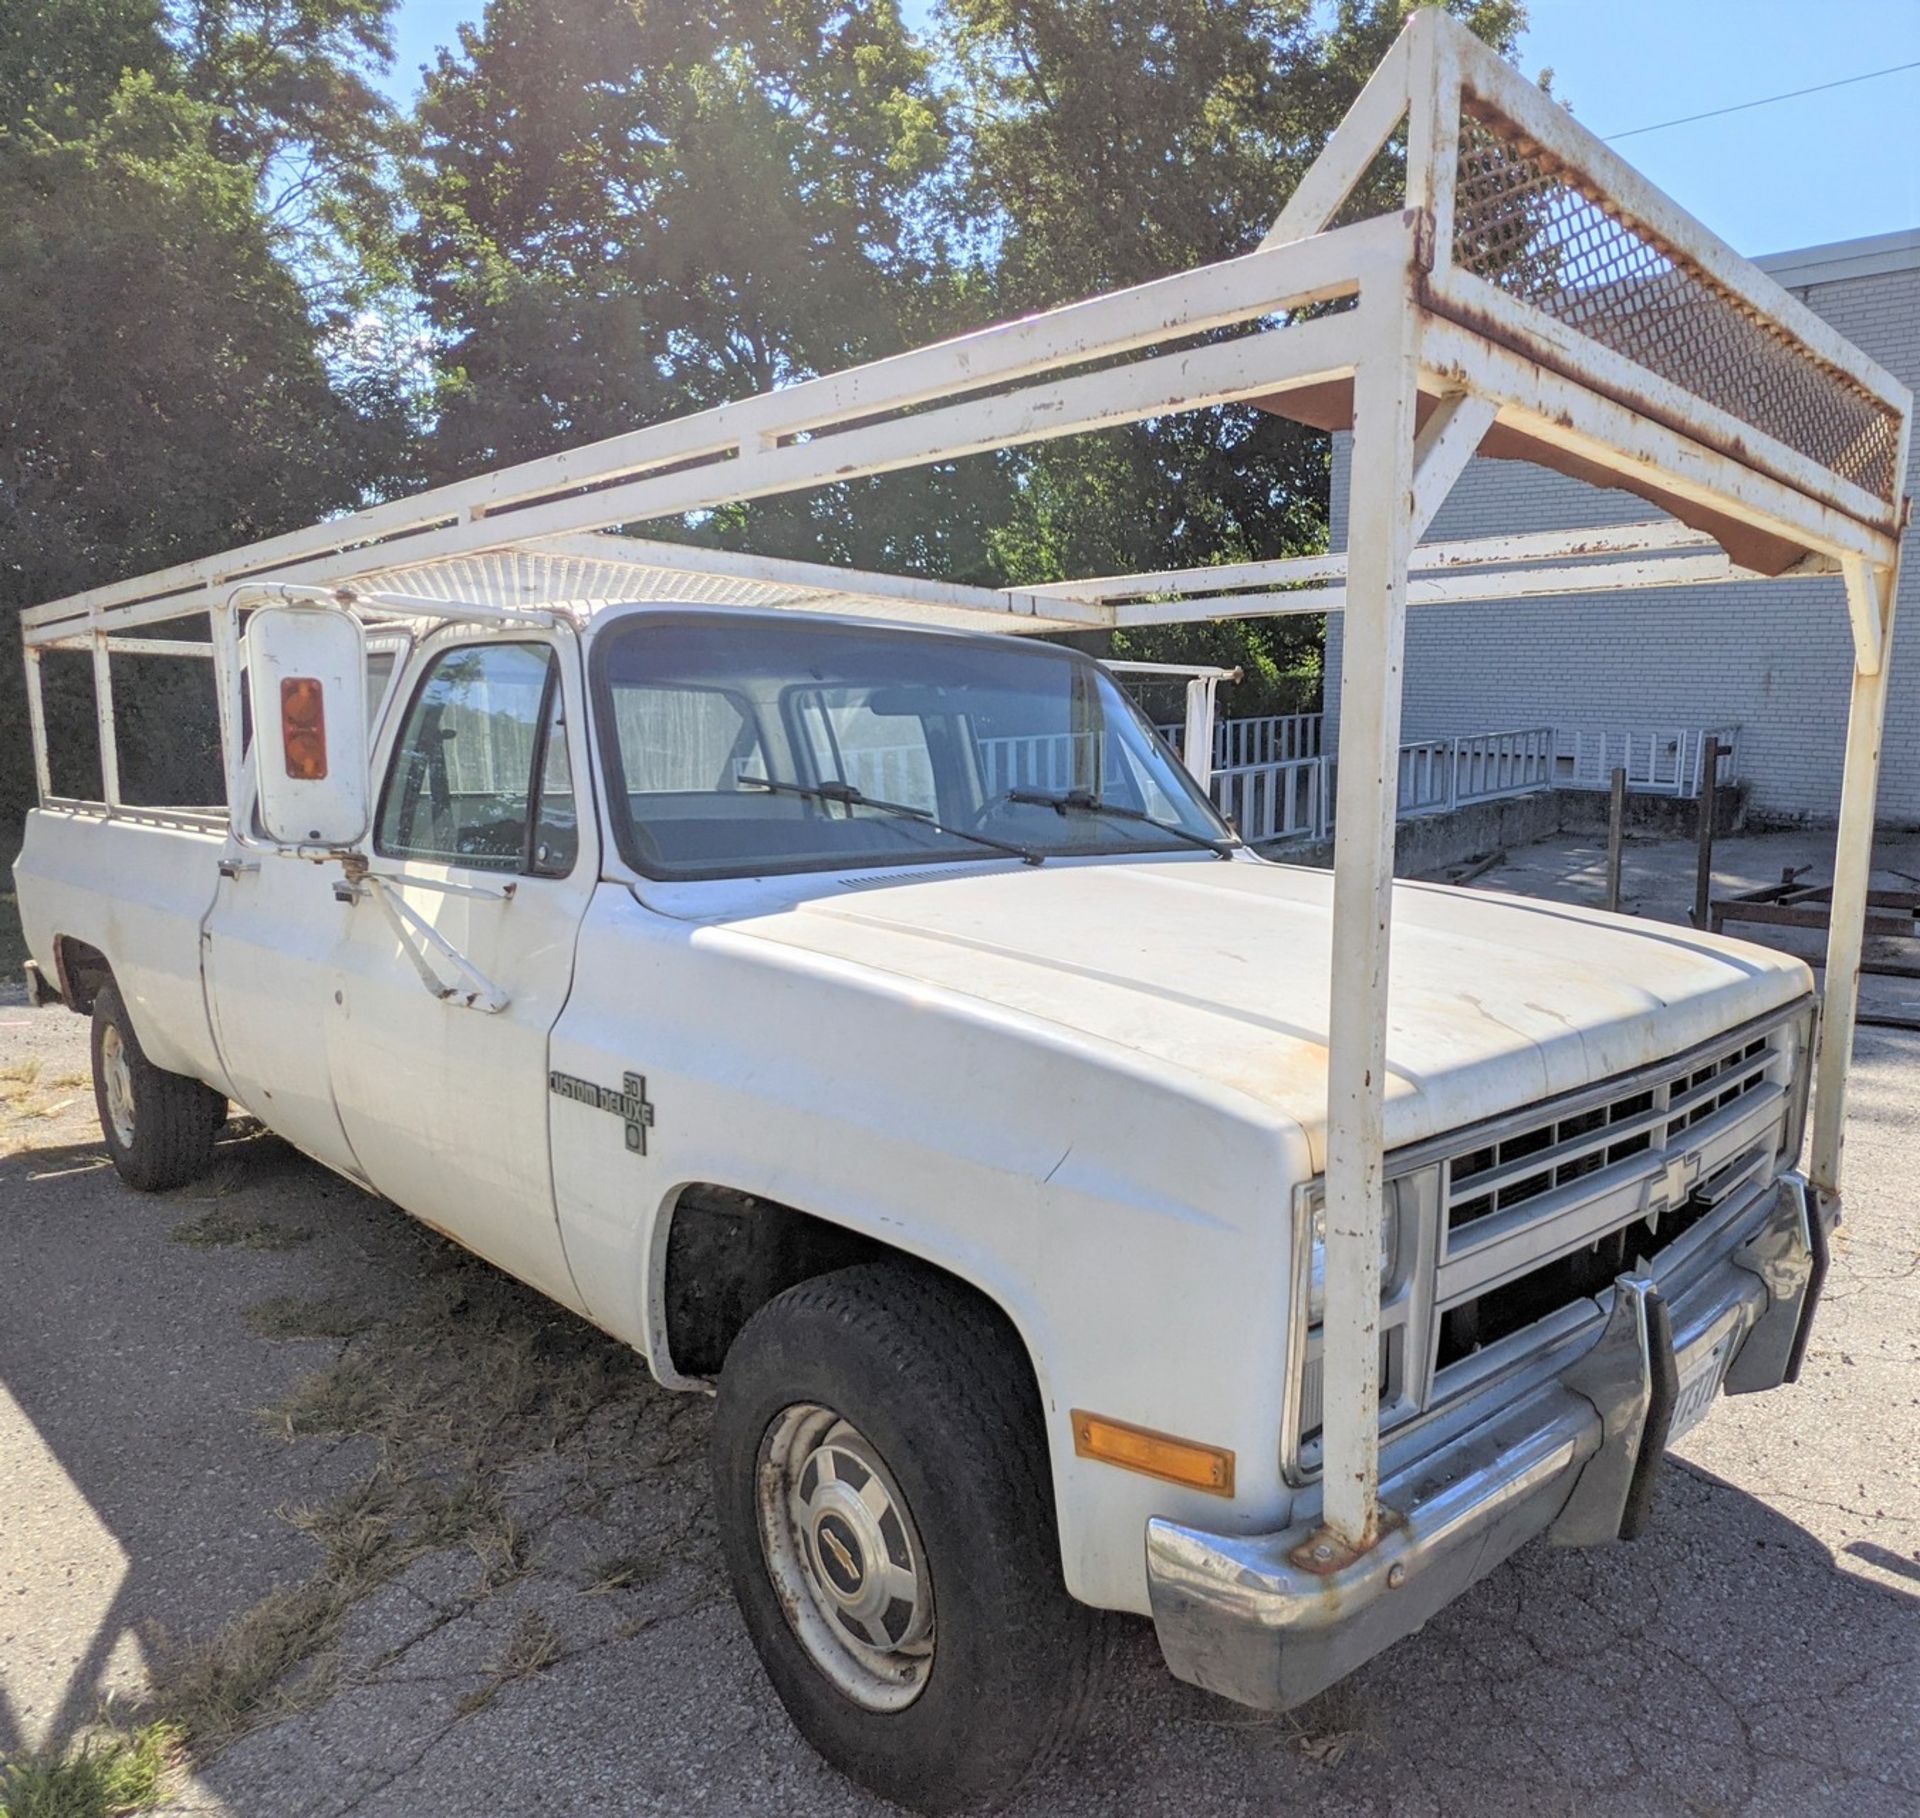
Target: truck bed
137,890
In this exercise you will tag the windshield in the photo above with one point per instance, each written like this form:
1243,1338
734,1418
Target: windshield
737,745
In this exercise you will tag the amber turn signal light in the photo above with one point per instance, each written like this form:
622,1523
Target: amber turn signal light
303,727
1114,1442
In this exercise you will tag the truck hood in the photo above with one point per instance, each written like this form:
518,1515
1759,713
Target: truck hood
1218,971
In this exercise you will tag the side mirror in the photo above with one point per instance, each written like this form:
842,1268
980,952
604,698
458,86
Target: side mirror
307,688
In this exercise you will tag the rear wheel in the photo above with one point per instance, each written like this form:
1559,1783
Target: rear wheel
159,1126
881,1475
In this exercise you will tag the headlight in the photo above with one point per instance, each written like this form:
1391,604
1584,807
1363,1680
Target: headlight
1799,1082
1317,1239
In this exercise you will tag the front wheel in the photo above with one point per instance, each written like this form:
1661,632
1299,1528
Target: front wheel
881,1476
159,1126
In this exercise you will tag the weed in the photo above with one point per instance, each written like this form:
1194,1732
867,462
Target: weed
344,1399
472,1379
619,1572
291,1316
534,1645
21,1087
216,1229
110,1772
18,1078
629,1571
247,1673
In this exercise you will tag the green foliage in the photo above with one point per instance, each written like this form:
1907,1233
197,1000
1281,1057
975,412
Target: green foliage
62,61
628,208
1120,139
104,1776
291,80
170,395
167,390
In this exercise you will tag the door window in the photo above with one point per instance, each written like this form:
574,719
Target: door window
482,746
556,824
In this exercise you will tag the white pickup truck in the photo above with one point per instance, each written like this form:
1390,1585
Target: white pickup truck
878,1026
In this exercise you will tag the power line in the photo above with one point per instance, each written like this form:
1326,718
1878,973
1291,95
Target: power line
1741,107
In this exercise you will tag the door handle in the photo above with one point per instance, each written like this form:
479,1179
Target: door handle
236,867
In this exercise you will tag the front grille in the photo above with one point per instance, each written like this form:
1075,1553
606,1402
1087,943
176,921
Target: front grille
1487,1318
1538,1159
1509,1226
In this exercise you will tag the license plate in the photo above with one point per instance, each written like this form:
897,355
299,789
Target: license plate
1697,1392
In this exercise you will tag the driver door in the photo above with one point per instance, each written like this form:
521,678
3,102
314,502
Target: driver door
482,864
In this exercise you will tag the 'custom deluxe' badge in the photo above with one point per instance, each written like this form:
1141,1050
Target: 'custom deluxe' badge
627,1102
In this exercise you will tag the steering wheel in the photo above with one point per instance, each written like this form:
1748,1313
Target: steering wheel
977,818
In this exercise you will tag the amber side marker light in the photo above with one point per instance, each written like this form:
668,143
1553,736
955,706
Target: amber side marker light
1114,1442
303,727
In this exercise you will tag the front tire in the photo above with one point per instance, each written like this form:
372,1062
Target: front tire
159,1126
882,1483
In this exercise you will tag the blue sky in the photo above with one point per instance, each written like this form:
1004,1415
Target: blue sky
1824,167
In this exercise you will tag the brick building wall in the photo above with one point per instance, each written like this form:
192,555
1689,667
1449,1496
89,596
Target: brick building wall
1773,658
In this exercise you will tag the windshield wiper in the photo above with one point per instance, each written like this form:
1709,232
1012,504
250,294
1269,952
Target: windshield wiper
850,797
1084,801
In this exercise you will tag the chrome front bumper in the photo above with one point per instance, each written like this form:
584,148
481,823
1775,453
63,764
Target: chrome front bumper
1575,1458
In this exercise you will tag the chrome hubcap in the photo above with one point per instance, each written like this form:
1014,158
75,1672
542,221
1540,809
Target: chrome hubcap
117,1075
845,1557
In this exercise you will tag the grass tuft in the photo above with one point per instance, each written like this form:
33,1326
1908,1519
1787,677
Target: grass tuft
217,1229
619,1572
293,1316
471,1380
534,1645
103,1775
250,1671
342,1400
24,1089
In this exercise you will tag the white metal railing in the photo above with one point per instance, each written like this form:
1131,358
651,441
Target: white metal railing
1291,796
1269,738
1294,799
1489,765
1426,776
1657,760
1438,775
1274,801
1052,761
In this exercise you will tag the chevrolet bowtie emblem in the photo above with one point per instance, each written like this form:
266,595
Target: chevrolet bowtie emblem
1674,1183
838,1548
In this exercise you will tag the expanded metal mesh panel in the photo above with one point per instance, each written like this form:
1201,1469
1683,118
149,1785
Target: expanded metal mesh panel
1524,222
528,578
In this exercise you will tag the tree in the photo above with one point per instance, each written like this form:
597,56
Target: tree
629,209
1117,140
291,89
164,389
61,61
